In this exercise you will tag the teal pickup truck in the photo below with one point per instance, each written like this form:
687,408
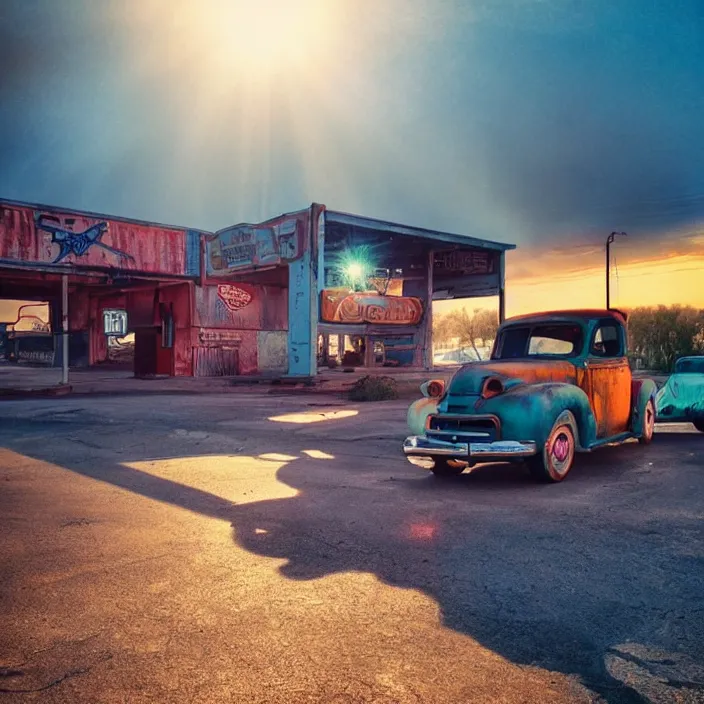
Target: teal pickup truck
556,384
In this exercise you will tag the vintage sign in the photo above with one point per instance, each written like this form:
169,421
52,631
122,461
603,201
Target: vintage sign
230,338
235,297
468,262
251,246
115,322
341,306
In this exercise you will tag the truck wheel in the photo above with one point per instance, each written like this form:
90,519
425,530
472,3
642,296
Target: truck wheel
557,456
699,424
648,424
447,468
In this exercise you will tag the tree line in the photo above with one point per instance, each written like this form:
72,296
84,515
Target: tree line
657,335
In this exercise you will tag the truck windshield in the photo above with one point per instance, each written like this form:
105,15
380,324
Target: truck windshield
561,340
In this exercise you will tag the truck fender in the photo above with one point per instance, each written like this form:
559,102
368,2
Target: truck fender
418,413
642,391
533,409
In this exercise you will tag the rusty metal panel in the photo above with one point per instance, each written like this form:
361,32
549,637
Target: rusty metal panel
214,348
272,347
532,372
608,386
17,239
341,306
56,237
216,361
241,306
193,252
465,272
247,247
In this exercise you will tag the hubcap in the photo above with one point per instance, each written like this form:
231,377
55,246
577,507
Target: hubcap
561,448
561,452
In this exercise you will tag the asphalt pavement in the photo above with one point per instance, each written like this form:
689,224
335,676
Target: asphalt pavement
259,548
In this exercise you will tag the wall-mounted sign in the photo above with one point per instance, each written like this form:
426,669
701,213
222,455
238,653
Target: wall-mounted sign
468,262
115,322
341,306
216,338
252,246
235,297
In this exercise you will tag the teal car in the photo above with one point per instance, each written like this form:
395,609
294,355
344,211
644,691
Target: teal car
556,384
681,399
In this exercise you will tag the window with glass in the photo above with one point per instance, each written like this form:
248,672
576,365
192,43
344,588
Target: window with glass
561,340
607,341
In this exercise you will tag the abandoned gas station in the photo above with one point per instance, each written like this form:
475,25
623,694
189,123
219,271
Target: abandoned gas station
283,297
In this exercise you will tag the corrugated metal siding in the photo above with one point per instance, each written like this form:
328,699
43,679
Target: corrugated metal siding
216,361
268,309
17,240
153,249
193,238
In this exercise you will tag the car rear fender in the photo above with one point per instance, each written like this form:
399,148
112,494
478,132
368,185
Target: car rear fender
642,391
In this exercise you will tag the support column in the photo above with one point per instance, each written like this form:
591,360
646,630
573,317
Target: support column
64,329
427,351
303,306
502,287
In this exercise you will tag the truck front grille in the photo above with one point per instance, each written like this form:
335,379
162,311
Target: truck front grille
481,428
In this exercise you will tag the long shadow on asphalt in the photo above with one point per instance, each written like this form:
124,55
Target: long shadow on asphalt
549,576
553,581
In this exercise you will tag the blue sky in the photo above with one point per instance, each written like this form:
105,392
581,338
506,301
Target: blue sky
543,122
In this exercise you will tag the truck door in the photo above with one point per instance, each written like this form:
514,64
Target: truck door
609,378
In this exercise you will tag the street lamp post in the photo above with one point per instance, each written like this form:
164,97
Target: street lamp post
609,240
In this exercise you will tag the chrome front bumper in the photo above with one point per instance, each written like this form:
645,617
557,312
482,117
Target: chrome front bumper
422,446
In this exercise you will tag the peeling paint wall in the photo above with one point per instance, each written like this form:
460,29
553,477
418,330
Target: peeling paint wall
246,317
53,236
273,351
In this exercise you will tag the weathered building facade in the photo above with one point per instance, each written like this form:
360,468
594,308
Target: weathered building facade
279,297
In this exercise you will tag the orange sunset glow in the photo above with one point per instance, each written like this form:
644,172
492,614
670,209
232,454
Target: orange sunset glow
537,279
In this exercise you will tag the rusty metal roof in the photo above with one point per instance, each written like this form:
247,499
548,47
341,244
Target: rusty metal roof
4,202
334,216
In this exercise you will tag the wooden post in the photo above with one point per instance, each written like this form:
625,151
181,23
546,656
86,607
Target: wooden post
502,287
64,329
427,350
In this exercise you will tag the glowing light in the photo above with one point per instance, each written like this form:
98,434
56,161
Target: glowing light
423,531
312,416
355,270
257,38
355,266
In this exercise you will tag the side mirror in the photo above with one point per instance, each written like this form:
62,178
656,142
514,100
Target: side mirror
433,389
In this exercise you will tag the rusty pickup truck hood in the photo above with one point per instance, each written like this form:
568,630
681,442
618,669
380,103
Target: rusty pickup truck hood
469,379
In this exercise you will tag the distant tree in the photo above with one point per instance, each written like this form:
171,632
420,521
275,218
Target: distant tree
663,334
479,327
442,329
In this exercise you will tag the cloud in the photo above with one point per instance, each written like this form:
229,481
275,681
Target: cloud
537,262
542,122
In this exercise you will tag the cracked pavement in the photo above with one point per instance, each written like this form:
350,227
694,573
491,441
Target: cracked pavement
263,548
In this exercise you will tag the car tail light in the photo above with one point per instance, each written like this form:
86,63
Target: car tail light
493,386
